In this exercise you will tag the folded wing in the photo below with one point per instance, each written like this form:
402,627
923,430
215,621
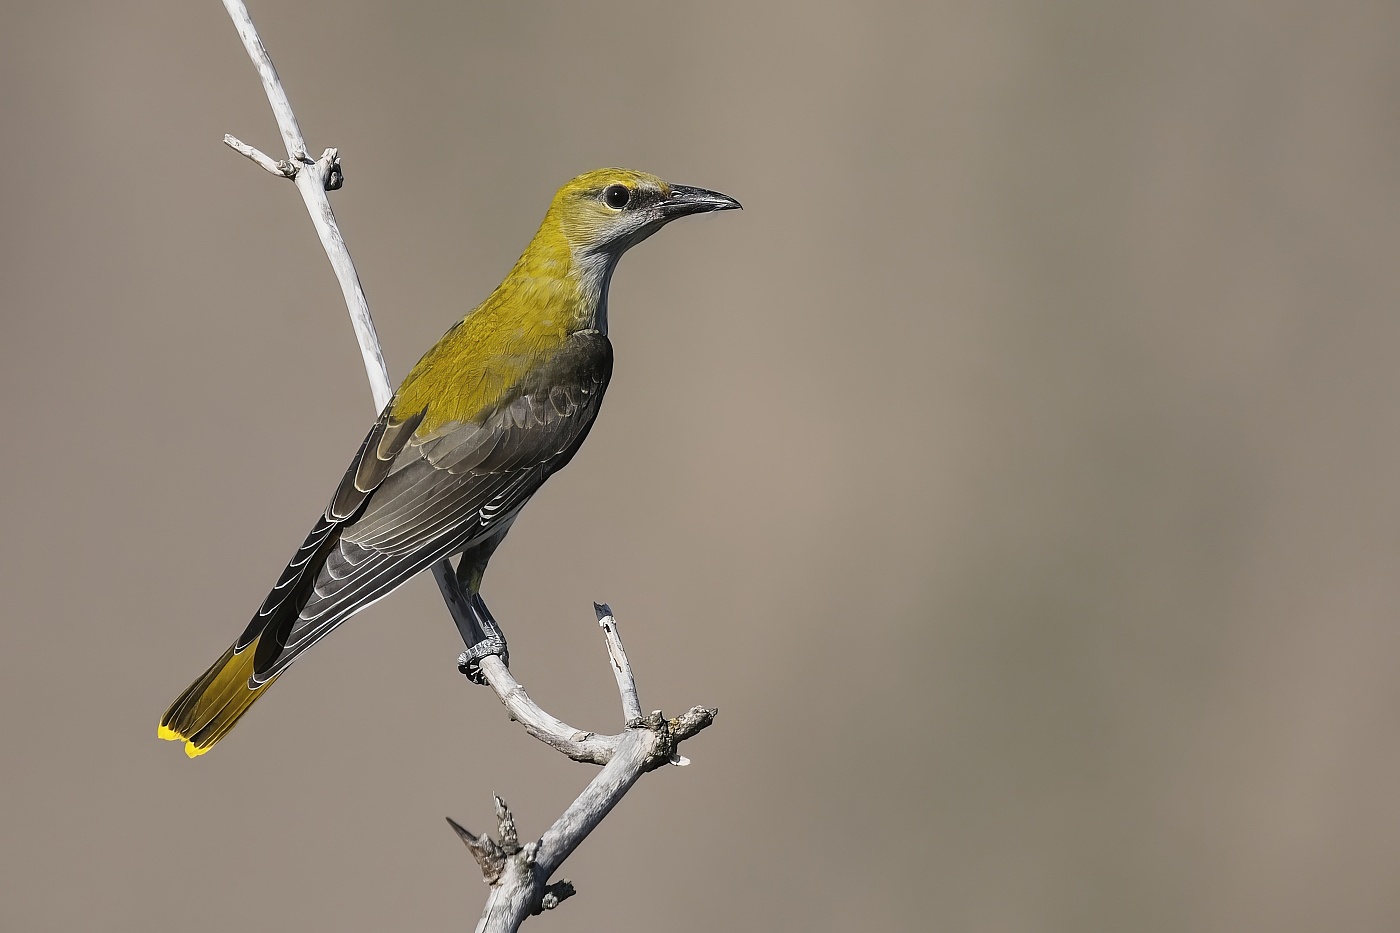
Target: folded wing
439,493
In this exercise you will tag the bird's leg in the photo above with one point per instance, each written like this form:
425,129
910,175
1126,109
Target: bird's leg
479,630
490,641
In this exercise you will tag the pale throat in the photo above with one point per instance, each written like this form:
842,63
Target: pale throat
594,269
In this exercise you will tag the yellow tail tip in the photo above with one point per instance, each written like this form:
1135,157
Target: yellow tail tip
170,735
212,704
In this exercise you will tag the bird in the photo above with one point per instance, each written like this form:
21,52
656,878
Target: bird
499,404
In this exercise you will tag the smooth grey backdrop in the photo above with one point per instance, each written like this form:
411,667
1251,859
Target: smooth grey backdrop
1017,474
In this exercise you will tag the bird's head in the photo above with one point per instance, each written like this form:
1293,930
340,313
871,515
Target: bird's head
605,212
592,221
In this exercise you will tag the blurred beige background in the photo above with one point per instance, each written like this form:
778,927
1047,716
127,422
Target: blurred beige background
1024,488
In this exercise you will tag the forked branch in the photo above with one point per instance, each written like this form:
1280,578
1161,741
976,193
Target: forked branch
519,875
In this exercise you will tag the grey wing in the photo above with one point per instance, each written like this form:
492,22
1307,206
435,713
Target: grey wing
372,464
447,490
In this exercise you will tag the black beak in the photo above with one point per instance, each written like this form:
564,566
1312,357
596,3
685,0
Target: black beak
686,200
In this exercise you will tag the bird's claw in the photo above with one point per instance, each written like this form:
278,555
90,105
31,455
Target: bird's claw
469,661
488,641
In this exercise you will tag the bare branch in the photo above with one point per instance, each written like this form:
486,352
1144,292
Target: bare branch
576,743
283,169
312,185
518,882
518,874
622,668
518,887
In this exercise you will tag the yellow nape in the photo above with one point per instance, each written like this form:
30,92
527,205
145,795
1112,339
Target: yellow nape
547,296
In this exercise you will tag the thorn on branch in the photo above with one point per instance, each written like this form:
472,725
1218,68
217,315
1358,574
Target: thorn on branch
510,838
495,859
484,849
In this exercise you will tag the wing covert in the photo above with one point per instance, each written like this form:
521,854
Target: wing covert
444,490
377,453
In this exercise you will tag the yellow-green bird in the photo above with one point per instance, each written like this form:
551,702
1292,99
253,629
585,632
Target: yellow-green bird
500,403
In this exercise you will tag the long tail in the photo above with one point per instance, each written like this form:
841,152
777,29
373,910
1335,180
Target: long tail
212,704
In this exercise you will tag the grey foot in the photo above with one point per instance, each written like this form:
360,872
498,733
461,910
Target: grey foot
490,642
479,630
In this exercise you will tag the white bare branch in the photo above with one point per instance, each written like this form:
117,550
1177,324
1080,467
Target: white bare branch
518,874
576,743
284,169
312,185
622,669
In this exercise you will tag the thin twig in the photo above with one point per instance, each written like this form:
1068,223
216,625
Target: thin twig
576,743
622,669
284,169
312,185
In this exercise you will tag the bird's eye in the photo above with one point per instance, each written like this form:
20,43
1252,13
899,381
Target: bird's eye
616,196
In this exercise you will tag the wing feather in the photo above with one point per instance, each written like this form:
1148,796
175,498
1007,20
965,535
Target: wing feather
380,448
410,499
